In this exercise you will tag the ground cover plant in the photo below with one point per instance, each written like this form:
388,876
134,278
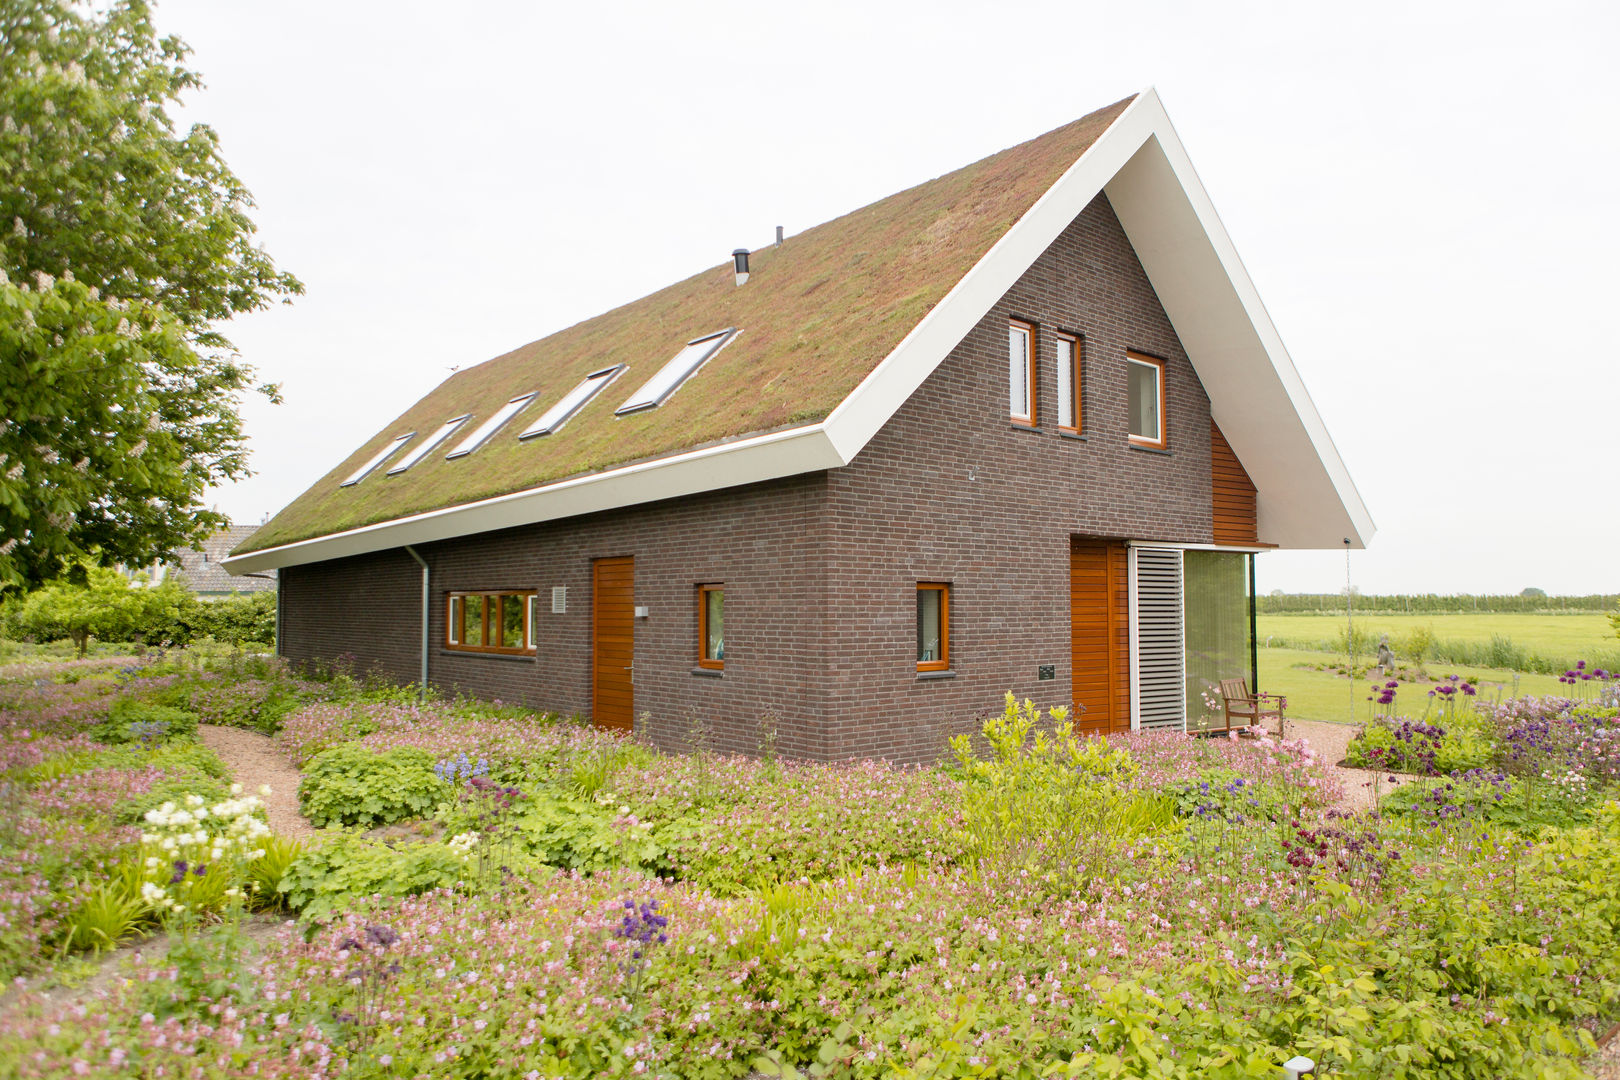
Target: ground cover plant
566,904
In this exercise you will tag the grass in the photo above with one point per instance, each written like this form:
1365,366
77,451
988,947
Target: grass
1318,694
1576,635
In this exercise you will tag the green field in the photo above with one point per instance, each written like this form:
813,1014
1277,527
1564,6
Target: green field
1315,694
1541,643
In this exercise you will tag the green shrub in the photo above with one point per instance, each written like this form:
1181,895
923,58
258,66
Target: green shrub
266,873
131,720
324,880
350,785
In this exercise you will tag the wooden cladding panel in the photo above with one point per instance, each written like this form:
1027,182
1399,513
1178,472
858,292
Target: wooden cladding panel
1099,616
1233,494
613,643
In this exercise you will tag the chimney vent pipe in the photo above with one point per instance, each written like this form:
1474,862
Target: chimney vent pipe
740,257
779,236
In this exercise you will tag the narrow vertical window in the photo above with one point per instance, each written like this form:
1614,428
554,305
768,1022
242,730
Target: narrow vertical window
453,622
711,626
1068,380
1021,371
933,626
1145,376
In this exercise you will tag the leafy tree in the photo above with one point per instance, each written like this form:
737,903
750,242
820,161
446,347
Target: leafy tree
105,606
122,244
1534,593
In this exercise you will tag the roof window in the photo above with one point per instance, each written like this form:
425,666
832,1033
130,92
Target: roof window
573,401
489,427
656,390
382,455
424,448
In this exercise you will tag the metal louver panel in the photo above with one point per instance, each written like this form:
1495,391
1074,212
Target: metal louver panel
1156,639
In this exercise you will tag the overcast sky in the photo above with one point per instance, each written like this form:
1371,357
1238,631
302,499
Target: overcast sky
1423,194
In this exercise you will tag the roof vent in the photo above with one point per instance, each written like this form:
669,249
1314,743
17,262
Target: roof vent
741,258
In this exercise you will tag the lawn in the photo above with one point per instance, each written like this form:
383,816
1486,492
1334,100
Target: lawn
1543,643
1317,689
498,894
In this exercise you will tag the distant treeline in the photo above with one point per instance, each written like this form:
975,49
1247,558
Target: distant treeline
1430,604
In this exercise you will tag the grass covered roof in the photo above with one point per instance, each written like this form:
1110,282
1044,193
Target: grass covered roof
817,315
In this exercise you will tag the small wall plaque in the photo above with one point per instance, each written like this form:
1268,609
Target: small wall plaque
1046,672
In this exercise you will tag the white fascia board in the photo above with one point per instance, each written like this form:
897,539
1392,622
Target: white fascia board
1306,496
879,396
747,461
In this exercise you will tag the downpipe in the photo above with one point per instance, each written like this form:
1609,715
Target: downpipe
422,682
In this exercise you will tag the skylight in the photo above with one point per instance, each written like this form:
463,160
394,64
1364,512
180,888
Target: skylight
490,426
573,401
422,449
382,455
657,389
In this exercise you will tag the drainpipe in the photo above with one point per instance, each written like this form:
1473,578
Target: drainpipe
422,690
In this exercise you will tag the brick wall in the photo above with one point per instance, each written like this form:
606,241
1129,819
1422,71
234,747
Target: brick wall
951,490
820,570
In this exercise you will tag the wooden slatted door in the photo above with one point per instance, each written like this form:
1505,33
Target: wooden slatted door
1099,614
613,643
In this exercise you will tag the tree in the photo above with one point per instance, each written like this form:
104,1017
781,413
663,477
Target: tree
105,606
1533,593
122,245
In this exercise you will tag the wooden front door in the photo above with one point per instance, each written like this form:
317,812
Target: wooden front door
1099,613
613,643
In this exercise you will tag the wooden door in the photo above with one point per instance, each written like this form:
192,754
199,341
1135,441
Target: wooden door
1099,614
613,643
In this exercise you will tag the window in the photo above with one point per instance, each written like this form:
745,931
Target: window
382,455
1068,378
426,447
1021,371
668,379
1146,391
573,401
489,427
933,626
496,622
711,626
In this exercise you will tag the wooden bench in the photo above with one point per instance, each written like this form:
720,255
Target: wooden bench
1244,709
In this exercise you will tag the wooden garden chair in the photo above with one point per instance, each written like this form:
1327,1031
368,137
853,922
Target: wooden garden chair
1244,709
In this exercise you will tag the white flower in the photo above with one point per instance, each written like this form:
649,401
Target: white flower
236,789
264,789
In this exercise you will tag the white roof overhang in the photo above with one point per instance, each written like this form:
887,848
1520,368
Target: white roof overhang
1306,497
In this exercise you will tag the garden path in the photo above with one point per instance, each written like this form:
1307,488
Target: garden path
1331,742
254,760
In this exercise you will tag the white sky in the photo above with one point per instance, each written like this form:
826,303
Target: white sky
1424,195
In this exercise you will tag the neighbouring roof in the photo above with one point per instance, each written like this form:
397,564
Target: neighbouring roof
204,567
816,316
837,329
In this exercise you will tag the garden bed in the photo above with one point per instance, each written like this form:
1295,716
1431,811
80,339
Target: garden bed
500,894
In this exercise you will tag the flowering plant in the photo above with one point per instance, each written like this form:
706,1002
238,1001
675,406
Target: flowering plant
197,855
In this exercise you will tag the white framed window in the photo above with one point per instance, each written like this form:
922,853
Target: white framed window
424,448
1068,381
1021,371
1145,390
656,390
382,455
571,402
488,428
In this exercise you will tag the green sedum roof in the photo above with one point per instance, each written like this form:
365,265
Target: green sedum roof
817,315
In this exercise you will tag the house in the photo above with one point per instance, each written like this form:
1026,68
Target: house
1022,427
202,569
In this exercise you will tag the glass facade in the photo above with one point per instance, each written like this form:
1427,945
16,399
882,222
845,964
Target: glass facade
1216,594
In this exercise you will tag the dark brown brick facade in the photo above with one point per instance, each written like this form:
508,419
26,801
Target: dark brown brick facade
820,570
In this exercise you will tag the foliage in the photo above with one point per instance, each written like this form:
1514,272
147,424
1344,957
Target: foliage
266,873
343,871
109,607
351,785
123,243
130,720
1428,603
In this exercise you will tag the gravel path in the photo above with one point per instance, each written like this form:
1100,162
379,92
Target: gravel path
1331,742
253,761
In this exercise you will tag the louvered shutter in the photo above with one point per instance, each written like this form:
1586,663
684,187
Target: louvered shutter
1159,700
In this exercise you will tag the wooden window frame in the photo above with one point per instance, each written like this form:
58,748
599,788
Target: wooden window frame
453,605
1076,393
1133,357
944,590
705,661
1030,368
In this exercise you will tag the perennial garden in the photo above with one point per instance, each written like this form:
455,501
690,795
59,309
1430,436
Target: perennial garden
493,893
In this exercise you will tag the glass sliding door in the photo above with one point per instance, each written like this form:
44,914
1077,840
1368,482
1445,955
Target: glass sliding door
1216,594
